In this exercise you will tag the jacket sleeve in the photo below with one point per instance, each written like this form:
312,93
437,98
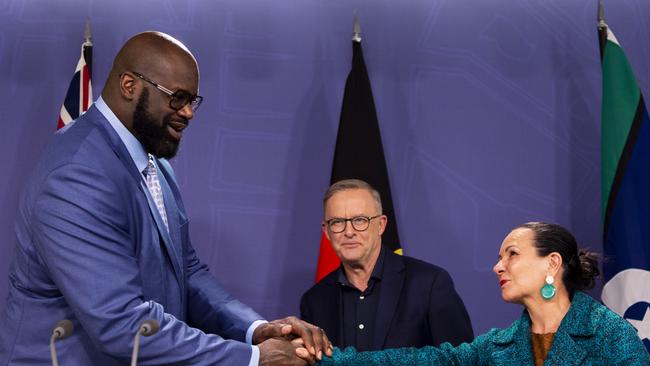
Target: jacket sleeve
475,353
81,233
443,355
448,318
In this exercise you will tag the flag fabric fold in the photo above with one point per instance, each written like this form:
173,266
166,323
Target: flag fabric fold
79,96
625,148
359,154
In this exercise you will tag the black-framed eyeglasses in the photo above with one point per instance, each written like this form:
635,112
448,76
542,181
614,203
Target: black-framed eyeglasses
359,223
177,99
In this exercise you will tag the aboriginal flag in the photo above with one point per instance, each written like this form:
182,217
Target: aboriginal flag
359,154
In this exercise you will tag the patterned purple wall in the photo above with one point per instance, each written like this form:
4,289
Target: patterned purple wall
489,112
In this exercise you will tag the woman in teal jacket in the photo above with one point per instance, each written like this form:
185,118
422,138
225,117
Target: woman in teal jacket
540,267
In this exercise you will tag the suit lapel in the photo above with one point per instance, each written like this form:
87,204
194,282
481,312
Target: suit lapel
389,295
518,353
565,351
93,115
576,323
513,344
336,323
172,220
172,237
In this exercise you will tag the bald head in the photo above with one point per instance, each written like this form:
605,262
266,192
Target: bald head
150,52
149,67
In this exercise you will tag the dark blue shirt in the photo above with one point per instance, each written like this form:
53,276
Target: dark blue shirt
359,308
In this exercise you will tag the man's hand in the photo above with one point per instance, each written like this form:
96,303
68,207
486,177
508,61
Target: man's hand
281,352
314,338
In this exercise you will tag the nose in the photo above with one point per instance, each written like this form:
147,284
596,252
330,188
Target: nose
498,268
186,112
349,230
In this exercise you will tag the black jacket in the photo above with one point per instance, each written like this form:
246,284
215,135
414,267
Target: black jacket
418,306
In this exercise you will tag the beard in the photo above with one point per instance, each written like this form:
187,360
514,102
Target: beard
153,135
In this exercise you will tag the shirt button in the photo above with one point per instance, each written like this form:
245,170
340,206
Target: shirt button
362,297
361,326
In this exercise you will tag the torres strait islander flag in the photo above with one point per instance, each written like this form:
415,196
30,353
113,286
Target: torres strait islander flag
625,189
359,153
80,94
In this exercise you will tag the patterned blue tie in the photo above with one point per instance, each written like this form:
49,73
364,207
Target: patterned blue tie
153,184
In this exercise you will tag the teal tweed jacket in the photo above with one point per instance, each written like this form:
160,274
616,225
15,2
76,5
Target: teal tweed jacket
590,334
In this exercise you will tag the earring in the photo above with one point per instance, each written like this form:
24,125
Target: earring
548,290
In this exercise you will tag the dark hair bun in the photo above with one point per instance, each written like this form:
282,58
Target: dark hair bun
587,270
580,265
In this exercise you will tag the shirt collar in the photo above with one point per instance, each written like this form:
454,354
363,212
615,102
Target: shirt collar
376,271
133,146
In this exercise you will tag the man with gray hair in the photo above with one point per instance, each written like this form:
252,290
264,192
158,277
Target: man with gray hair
377,299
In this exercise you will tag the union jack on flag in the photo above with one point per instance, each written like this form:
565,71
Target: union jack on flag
80,93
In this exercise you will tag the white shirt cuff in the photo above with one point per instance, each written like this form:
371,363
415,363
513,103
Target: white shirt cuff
251,330
255,356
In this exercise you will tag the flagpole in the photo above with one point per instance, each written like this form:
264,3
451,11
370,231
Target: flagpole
87,47
88,37
356,29
602,27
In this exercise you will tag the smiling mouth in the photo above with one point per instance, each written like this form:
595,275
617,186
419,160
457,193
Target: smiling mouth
176,129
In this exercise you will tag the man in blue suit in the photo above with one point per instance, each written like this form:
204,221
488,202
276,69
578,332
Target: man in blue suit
378,299
103,239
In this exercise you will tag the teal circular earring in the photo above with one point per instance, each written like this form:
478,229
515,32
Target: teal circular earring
548,290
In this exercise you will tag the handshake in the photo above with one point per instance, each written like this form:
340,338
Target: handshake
291,341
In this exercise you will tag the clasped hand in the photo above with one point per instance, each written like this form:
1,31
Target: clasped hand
291,341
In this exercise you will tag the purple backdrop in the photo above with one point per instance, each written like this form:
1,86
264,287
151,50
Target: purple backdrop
489,112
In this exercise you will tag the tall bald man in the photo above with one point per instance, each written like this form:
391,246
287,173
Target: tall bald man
102,237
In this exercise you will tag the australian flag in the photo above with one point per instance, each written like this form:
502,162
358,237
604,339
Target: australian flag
80,94
625,189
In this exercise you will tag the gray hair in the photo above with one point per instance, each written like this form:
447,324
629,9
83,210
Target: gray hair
350,184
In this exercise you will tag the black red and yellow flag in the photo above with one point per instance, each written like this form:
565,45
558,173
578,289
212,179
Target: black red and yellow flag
359,154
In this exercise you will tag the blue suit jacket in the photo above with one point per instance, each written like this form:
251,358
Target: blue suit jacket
92,248
418,306
590,334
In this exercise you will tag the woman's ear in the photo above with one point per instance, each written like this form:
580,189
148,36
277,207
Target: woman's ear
554,263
